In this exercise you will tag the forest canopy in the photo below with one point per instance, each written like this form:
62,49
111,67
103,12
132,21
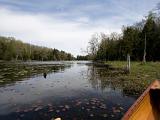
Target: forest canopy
135,40
12,49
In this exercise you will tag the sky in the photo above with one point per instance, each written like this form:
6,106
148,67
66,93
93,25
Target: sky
68,24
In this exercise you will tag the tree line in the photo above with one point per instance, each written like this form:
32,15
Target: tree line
12,49
82,57
140,40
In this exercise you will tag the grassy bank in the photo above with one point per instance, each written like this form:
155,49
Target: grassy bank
140,76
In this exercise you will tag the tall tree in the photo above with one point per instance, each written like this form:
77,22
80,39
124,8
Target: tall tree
93,46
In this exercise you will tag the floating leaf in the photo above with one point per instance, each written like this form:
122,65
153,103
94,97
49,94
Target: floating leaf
121,108
51,110
88,109
93,107
78,103
87,103
57,111
49,105
67,106
38,108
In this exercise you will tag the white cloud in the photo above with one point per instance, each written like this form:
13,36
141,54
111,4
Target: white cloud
46,30
68,30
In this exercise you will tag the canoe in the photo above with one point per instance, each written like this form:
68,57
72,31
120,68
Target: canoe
147,106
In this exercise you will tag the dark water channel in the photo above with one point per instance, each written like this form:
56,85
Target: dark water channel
70,90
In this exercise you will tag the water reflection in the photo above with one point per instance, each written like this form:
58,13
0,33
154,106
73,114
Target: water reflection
69,90
100,79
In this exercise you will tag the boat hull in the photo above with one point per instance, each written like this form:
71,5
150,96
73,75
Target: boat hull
147,106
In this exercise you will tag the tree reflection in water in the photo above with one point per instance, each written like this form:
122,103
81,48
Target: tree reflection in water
102,78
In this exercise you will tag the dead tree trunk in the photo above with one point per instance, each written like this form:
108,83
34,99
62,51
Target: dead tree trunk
144,55
128,63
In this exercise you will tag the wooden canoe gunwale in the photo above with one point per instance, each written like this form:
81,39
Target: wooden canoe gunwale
138,101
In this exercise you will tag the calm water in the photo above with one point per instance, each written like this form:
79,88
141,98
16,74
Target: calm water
71,90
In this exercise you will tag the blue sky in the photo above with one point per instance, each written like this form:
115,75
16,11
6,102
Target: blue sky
68,24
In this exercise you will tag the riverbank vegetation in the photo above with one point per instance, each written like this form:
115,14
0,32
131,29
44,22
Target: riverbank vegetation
140,76
12,49
81,57
141,41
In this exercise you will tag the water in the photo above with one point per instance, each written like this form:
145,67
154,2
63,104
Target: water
70,90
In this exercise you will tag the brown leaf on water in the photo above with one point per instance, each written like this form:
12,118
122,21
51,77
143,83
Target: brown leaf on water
38,108
115,110
78,103
121,108
51,110
93,103
87,103
88,109
103,106
50,105
57,111
67,106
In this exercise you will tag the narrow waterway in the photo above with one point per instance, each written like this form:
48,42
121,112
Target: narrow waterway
70,90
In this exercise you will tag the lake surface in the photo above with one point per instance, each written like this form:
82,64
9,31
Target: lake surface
70,90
